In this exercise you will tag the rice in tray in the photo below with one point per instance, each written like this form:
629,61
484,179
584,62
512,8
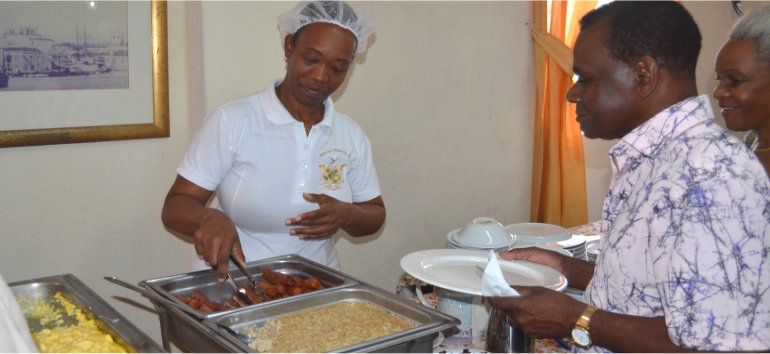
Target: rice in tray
326,328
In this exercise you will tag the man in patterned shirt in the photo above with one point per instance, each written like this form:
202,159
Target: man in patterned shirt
684,258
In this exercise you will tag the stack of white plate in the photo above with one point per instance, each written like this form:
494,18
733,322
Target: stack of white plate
547,236
532,233
453,243
576,245
592,250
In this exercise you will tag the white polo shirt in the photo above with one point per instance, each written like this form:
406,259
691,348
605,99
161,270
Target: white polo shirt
259,160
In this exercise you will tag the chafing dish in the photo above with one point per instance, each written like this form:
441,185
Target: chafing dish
208,335
418,339
192,334
108,320
206,280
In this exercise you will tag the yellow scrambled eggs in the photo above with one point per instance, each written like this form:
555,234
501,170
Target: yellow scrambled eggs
66,328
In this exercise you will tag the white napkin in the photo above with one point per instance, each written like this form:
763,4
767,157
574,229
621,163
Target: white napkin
492,282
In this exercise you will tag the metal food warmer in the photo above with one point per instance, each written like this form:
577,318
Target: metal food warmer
107,319
214,332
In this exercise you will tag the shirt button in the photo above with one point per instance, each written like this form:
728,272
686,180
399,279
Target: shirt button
304,165
306,147
302,182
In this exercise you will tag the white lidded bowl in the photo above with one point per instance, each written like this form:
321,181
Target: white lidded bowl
482,233
531,233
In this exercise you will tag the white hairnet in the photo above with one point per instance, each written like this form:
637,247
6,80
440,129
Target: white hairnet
336,12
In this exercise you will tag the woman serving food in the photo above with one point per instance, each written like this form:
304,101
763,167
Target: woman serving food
288,170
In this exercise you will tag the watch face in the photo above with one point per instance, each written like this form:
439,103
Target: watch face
581,337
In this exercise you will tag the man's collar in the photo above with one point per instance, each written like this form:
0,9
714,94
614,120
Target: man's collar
666,125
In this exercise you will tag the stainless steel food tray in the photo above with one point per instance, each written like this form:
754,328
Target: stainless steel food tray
107,318
418,339
190,333
206,280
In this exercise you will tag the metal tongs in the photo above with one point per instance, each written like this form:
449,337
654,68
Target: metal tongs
239,292
245,270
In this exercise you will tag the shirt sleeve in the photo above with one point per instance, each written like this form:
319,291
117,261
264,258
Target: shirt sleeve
363,175
208,158
713,272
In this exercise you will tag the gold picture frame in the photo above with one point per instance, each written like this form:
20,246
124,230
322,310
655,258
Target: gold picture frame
159,127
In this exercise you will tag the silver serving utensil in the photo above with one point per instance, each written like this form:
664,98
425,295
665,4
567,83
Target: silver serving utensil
188,310
245,270
239,292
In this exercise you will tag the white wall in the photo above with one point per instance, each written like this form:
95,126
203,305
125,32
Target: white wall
444,93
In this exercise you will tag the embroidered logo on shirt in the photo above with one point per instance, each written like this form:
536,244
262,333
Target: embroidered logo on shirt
331,176
333,162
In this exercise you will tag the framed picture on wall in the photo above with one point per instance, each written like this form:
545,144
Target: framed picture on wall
82,71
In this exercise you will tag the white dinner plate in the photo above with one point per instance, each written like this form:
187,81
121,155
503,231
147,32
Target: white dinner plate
452,244
572,243
455,269
452,237
449,244
533,232
545,247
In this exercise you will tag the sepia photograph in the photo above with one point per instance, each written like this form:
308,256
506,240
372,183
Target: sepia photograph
63,45
82,71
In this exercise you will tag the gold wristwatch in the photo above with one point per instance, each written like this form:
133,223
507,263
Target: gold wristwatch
580,333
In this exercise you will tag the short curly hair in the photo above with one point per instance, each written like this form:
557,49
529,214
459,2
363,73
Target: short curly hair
755,26
662,30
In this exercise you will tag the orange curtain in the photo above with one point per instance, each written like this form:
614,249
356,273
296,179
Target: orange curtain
558,168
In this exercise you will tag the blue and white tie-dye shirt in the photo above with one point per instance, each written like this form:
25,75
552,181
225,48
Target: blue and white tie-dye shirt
686,226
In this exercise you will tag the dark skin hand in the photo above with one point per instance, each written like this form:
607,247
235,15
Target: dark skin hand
357,219
579,272
215,236
545,313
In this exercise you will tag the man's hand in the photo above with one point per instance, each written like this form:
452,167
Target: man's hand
577,271
541,312
545,257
